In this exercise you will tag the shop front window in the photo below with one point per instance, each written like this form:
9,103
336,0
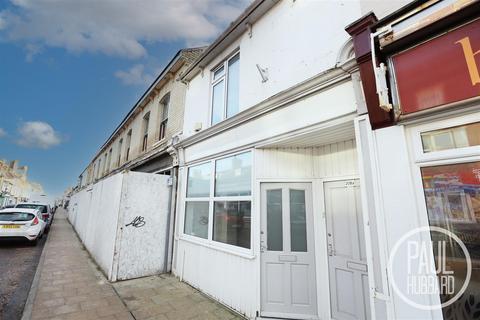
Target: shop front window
218,199
199,181
232,223
196,219
452,194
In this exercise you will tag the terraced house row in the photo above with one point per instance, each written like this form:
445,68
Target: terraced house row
281,169
15,185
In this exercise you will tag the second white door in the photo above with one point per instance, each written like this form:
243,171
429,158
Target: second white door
346,251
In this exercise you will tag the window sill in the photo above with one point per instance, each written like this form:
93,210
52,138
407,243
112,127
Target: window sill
246,253
158,143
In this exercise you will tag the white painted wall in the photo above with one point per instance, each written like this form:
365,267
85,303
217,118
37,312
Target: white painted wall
100,212
295,41
332,160
141,251
393,197
322,106
93,213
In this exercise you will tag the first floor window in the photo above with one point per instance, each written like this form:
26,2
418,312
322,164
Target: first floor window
119,154
218,198
146,120
225,88
164,108
128,143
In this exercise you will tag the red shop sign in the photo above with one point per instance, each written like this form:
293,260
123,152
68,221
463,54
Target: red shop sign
443,70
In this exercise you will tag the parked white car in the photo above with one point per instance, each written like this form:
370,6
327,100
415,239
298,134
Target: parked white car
44,208
22,223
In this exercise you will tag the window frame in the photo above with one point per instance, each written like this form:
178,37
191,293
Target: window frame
105,161
211,199
163,118
420,159
128,145
119,156
214,82
145,128
417,145
109,162
99,168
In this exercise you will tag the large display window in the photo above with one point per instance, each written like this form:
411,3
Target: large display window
218,202
451,189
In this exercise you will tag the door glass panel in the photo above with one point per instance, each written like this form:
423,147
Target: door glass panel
298,223
451,138
274,220
452,194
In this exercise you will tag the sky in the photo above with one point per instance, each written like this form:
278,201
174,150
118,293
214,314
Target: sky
70,70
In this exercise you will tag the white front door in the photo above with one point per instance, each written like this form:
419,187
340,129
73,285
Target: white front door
288,287
347,261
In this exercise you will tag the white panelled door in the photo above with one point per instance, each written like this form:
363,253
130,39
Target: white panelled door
288,287
347,261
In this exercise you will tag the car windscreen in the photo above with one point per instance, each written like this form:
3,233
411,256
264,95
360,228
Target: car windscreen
16,216
27,206
41,208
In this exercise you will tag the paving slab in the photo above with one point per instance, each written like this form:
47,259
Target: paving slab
71,287
164,297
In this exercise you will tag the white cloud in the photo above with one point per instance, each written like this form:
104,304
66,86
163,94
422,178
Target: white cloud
3,133
115,27
135,75
38,134
32,50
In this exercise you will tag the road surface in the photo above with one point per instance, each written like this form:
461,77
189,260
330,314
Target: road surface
18,263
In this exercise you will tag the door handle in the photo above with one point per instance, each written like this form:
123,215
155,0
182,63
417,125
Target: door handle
263,247
331,251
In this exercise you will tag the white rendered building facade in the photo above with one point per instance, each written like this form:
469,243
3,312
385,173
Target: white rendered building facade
269,214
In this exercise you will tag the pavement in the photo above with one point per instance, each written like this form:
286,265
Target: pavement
163,297
18,262
70,286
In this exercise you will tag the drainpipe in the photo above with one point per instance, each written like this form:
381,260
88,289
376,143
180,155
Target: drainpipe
172,206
